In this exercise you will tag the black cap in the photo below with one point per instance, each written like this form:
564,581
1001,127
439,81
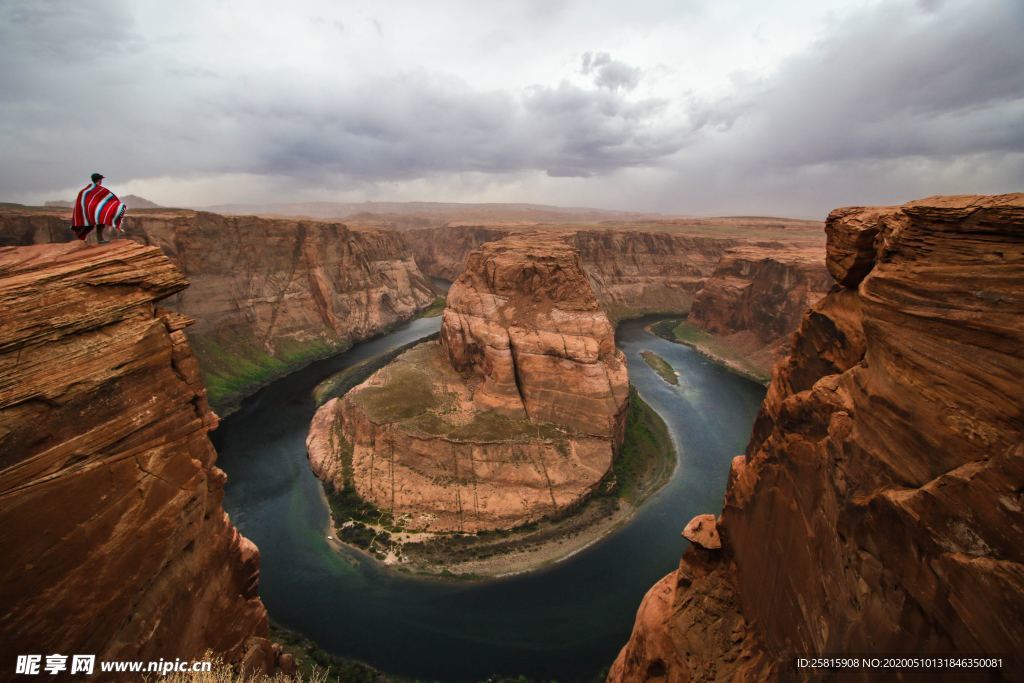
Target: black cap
96,177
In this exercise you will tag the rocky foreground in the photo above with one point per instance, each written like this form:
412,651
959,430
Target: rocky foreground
878,507
513,416
114,539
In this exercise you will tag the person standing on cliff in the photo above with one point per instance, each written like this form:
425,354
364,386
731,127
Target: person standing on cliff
96,207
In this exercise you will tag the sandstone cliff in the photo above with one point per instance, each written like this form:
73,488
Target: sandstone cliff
745,287
515,415
878,507
523,321
632,271
114,539
268,295
755,298
638,272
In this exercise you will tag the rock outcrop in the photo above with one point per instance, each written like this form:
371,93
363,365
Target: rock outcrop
632,272
746,290
441,252
756,297
637,272
268,295
513,416
523,321
114,539
878,507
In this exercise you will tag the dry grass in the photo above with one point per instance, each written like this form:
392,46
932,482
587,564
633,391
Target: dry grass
222,672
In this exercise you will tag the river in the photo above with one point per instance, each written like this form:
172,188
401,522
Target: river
566,622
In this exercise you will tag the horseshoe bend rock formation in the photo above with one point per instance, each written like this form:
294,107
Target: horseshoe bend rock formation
267,295
515,414
114,539
878,507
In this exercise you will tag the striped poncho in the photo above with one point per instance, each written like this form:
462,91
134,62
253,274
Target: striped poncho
96,205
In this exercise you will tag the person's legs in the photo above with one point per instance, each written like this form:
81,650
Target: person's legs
99,234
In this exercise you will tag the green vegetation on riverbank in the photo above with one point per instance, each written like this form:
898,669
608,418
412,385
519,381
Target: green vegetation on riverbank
340,382
357,521
233,367
660,366
648,455
435,308
316,664
643,465
683,332
618,313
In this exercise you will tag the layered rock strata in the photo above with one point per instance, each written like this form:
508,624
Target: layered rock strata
755,298
114,539
878,506
514,415
632,271
268,295
748,292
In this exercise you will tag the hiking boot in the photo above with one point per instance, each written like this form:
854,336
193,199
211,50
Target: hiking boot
103,241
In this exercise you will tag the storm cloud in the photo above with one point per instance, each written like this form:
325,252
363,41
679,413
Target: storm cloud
677,107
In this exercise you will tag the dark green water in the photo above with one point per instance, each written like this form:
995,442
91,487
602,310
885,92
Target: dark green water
566,623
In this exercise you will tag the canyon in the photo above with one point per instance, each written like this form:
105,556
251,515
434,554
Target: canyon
746,282
267,295
271,294
514,415
115,541
877,508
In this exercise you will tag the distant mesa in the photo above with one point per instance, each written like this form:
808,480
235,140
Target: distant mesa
131,201
513,416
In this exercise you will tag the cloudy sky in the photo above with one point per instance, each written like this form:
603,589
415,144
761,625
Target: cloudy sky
680,106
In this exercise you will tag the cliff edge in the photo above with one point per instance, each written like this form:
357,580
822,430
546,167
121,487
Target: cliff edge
268,295
114,539
878,507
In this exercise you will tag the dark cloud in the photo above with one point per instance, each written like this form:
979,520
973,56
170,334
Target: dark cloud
147,118
895,82
609,73
894,100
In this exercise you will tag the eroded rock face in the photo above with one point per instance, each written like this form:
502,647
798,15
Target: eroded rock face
513,416
523,319
878,507
631,271
114,539
755,298
749,292
702,531
268,295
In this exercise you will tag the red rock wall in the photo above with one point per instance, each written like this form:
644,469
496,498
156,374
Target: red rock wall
268,295
878,508
756,297
441,252
632,272
113,536
523,318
